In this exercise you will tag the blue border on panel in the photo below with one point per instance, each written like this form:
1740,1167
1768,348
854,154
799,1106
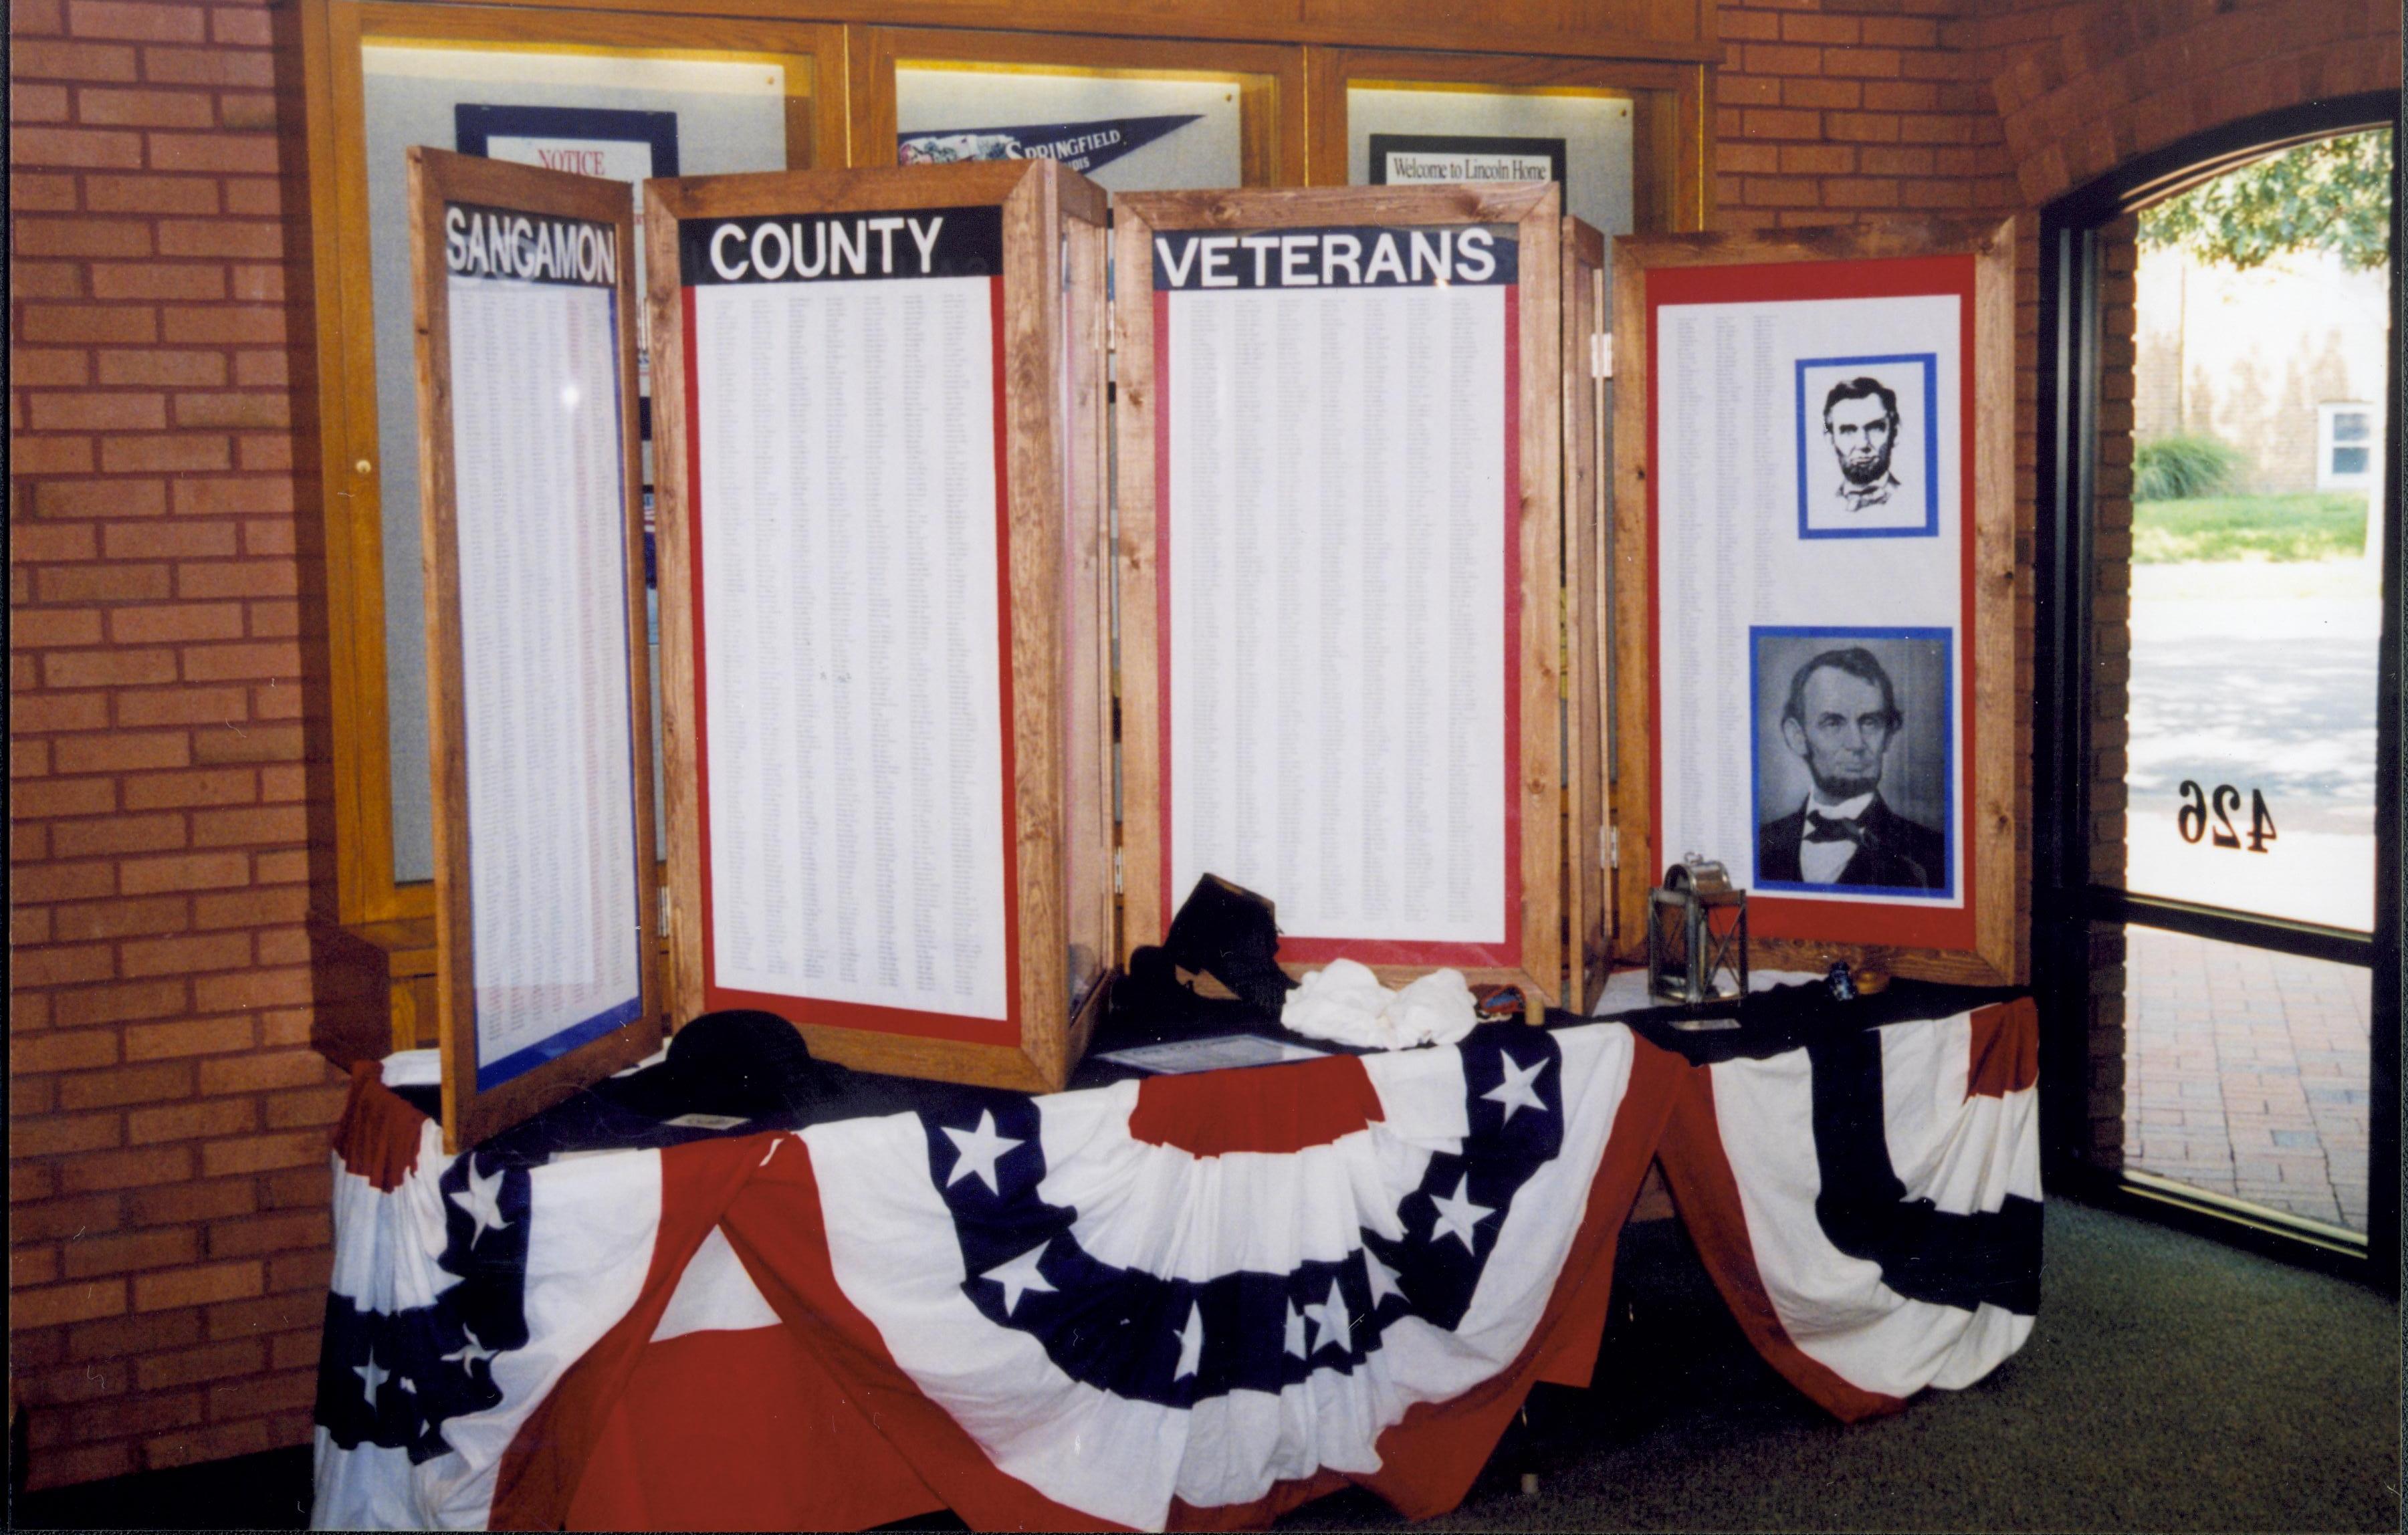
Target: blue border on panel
1947,639
518,1063
1930,528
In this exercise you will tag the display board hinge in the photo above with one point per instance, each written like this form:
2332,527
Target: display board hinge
1600,354
1116,871
1609,846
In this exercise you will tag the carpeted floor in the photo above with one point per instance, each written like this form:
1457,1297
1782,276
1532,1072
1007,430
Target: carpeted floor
2173,1383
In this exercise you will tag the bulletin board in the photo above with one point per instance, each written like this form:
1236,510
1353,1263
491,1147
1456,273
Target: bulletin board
1814,543
540,703
1342,570
883,609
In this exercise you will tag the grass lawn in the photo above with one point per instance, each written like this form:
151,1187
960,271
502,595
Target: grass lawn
2315,525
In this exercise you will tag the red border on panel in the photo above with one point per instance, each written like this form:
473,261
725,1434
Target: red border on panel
829,1012
1315,950
1903,923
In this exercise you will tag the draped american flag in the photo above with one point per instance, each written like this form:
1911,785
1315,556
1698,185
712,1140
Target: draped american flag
1191,1300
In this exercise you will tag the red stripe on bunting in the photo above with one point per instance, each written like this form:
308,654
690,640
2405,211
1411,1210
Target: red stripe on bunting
776,1228
741,1430
378,1136
1271,1109
2005,1053
1702,1186
539,1473
1429,1459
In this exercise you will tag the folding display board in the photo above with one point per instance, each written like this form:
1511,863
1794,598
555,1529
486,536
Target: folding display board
1343,567
539,711
1816,572
884,643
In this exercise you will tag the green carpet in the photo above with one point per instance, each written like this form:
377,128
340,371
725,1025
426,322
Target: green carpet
2172,1384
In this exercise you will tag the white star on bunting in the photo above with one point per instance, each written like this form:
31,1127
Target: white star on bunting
482,1200
372,1376
978,1151
1330,1316
1019,1276
1191,1341
467,1354
1384,1279
1457,1217
1515,1091
1295,1331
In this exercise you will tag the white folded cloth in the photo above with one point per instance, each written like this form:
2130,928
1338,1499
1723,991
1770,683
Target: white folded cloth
1345,1002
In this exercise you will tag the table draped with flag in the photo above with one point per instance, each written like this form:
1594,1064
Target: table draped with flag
1185,1301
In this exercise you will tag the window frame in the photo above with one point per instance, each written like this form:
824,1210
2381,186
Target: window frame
2329,415
364,889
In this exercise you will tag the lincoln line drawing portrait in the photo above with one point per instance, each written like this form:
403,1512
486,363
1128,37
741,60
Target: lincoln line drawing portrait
1866,437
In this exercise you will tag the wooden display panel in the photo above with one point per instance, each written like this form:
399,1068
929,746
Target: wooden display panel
1913,564
1589,917
1496,714
540,703
883,633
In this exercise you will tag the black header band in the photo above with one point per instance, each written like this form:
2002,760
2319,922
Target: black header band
841,247
1356,256
502,243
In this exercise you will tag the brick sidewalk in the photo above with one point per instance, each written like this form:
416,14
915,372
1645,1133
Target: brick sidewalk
2245,1074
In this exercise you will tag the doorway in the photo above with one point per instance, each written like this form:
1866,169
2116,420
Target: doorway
2217,914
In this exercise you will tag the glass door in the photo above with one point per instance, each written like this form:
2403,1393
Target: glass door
2229,640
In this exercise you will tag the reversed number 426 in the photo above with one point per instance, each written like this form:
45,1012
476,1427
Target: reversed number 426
2192,820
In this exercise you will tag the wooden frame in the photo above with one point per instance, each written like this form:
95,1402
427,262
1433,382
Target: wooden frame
1539,570
438,180
1048,366
1270,82
1590,920
365,889
1672,182
1997,887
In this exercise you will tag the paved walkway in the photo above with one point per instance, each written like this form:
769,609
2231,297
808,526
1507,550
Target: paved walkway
2245,1074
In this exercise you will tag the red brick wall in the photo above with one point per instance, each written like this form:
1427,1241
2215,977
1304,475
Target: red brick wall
167,1172
1834,111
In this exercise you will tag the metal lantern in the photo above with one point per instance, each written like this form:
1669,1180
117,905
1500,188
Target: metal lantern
1696,934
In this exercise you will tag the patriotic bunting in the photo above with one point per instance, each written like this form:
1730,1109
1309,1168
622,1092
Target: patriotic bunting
1180,1302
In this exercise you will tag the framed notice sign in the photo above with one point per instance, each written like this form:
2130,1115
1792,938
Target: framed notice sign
1341,571
539,718
883,634
1815,507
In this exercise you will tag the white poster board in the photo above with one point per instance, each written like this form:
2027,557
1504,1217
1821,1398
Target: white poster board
846,497
1337,527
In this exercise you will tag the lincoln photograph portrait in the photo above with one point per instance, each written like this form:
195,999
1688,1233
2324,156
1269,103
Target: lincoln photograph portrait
1851,746
1867,448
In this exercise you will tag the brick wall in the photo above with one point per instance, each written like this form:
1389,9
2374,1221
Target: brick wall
167,1176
